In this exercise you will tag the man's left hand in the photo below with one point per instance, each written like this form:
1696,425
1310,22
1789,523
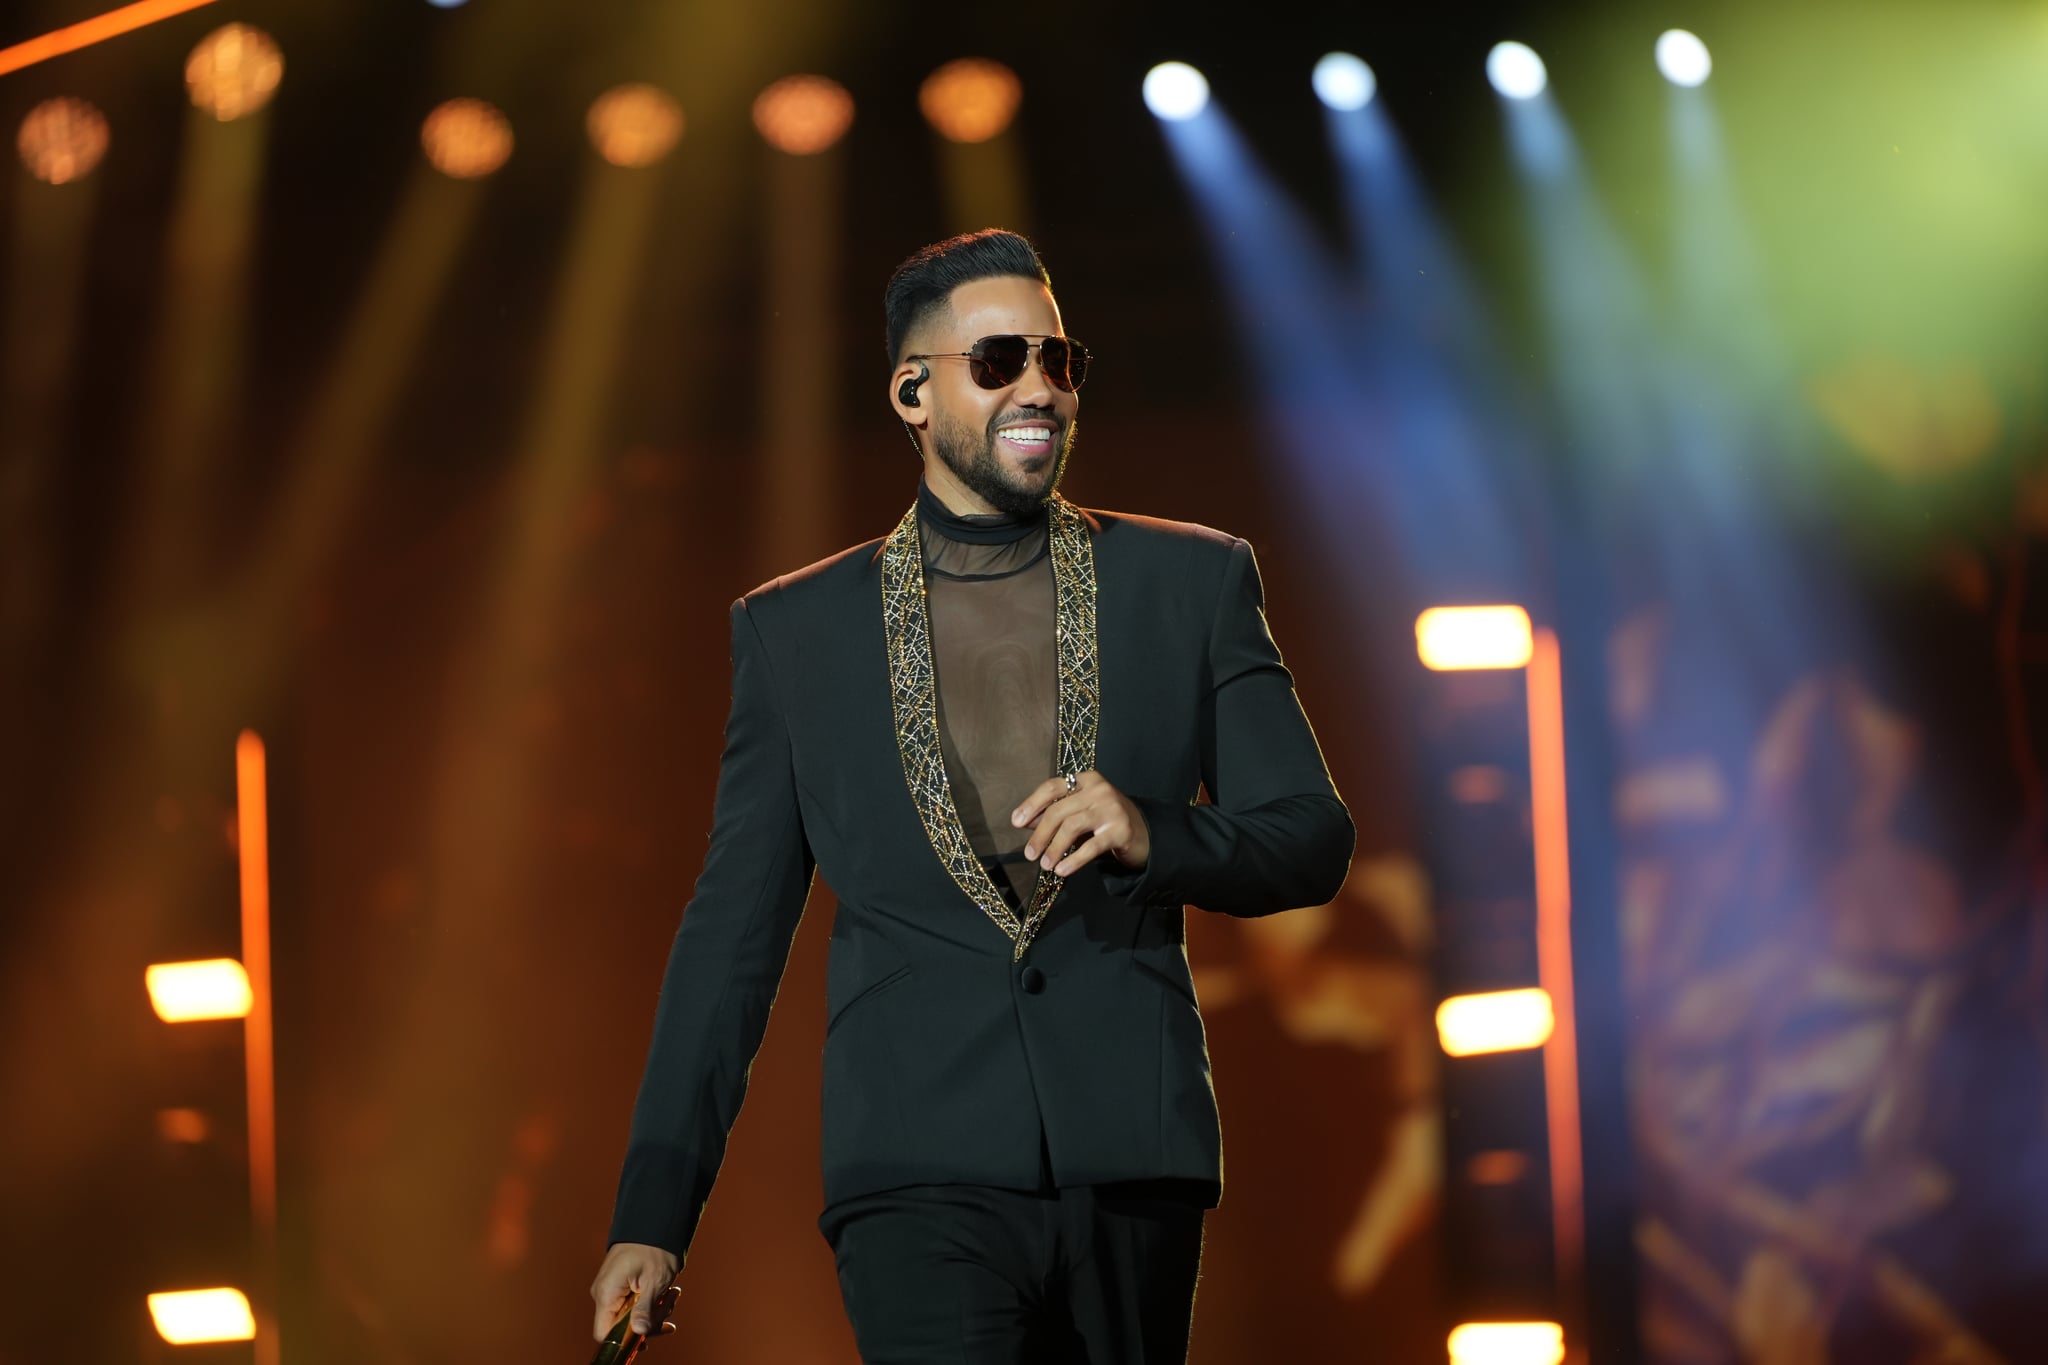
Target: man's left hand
1091,820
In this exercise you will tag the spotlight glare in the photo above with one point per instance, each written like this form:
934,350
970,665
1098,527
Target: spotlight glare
445,4
1516,71
634,125
234,71
62,139
198,1315
1498,1021
1452,638
970,100
1507,1343
217,988
1683,58
1343,81
803,115
466,139
1176,91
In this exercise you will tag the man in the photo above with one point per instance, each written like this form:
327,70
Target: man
989,728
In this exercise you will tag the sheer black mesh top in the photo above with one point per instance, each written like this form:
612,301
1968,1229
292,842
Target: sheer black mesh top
989,591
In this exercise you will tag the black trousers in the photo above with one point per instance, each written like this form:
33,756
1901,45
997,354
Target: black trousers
969,1275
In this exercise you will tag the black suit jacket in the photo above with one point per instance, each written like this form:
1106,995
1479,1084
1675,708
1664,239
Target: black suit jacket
945,1049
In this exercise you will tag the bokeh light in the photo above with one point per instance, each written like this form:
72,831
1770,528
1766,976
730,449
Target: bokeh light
635,125
970,100
803,115
234,71
466,139
1516,71
1683,58
191,1316
1175,90
1507,1343
1343,81
216,988
62,139
1453,638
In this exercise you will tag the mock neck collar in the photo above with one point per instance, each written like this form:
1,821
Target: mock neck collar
1000,528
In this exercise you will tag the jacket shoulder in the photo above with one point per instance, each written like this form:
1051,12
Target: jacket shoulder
828,577
1185,539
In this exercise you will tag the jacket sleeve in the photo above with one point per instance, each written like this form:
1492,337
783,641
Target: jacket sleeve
724,968
1276,836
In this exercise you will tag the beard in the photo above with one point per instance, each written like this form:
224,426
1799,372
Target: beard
971,455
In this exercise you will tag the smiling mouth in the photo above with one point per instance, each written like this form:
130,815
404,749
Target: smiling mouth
1033,438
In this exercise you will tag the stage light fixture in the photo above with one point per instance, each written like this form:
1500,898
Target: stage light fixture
634,125
182,992
192,1316
970,100
1683,58
1496,1021
1343,81
62,139
234,71
1507,1343
466,139
1176,91
1450,638
1516,71
803,115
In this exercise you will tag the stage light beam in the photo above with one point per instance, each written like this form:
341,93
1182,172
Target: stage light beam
1683,58
803,115
1176,91
62,140
1497,1021
1516,71
1343,81
970,100
189,1317
1507,1343
84,34
234,71
1452,638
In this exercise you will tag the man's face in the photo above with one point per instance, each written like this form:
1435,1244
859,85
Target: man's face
1006,447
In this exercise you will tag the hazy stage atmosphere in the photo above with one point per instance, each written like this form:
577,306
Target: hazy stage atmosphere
1640,416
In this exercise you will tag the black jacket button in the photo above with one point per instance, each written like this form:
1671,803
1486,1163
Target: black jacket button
1034,981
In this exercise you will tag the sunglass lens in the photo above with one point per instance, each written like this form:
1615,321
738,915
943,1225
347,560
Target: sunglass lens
1065,361
1000,360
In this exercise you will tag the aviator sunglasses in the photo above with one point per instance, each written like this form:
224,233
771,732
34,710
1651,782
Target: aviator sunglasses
998,362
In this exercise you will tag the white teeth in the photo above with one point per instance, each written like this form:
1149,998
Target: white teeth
1027,434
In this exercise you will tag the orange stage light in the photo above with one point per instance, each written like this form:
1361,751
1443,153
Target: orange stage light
634,125
1473,637
185,1126
803,115
195,1315
970,100
466,139
182,992
1498,1021
234,71
1507,1343
84,34
62,140
1550,827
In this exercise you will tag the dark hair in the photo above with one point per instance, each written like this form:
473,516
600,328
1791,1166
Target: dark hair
922,285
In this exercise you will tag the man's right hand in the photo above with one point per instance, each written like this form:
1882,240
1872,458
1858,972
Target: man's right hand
630,1268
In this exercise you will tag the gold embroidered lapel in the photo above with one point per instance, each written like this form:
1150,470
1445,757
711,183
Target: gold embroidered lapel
913,687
